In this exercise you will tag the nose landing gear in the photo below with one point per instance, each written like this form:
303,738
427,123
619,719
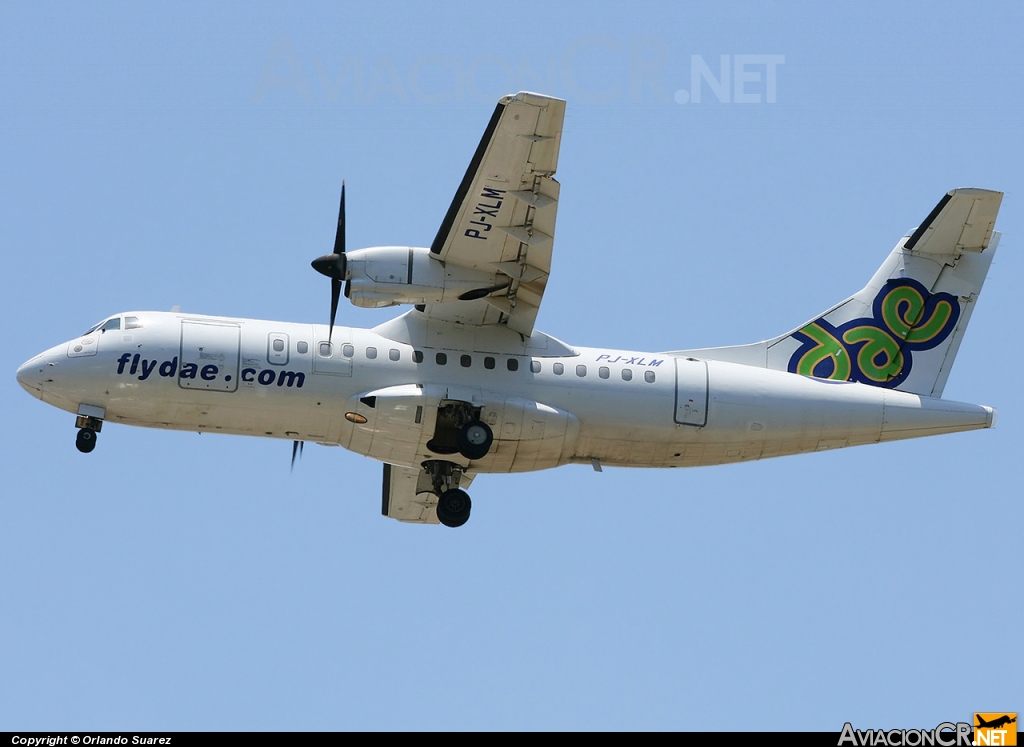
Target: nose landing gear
86,440
88,427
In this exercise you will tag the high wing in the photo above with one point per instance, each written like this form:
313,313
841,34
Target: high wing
502,219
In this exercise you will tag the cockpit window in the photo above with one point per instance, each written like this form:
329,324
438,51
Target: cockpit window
130,322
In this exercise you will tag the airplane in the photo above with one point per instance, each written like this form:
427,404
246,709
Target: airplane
996,722
463,384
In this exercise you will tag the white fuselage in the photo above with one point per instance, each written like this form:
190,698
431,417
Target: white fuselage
547,404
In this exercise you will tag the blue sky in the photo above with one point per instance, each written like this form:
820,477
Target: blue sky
157,154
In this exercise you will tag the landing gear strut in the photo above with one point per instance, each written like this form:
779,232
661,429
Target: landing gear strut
453,505
88,427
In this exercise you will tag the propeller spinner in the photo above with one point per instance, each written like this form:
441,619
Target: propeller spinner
334,265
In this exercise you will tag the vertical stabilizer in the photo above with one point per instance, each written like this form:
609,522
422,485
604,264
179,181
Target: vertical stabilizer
903,330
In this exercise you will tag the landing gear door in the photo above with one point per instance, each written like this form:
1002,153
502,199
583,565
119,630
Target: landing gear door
209,356
691,392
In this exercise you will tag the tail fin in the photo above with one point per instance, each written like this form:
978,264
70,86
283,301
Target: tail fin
903,330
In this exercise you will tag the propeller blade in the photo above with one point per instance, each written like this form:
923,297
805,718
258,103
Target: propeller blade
297,447
335,296
339,237
335,265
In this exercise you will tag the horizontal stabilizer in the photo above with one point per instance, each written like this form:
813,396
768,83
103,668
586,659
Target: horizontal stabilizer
962,222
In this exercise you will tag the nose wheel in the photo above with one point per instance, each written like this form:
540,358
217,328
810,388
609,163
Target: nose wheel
88,427
86,440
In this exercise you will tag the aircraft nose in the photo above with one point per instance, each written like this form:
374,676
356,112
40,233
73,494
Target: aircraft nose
30,376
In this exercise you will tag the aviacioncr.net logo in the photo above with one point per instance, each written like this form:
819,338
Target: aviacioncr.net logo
946,734
995,729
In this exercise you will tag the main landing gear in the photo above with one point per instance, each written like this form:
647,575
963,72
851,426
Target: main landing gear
88,427
474,439
453,504
453,507
460,430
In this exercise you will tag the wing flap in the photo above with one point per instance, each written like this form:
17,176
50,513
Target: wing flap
403,498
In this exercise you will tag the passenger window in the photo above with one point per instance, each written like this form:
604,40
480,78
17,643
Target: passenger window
581,371
371,353
417,356
535,366
466,361
278,345
489,363
603,372
512,364
112,324
348,350
627,374
649,377
301,348
441,359
132,322
558,368
394,354
325,350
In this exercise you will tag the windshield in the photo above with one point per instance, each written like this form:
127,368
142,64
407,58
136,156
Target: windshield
112,323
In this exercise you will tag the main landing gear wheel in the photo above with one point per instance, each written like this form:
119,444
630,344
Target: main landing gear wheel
453,508
474,439
86,440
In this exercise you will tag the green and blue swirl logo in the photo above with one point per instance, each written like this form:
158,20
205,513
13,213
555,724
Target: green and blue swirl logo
878,350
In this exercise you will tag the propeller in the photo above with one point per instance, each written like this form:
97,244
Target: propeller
334,265
297,447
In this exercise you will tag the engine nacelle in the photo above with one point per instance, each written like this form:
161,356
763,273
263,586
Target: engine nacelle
392,275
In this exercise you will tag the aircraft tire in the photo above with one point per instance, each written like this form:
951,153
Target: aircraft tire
453,508
474,439
86,440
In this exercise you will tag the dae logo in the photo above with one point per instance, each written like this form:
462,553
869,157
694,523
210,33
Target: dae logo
995,729
878,349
